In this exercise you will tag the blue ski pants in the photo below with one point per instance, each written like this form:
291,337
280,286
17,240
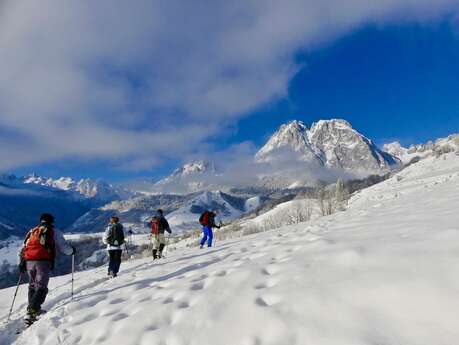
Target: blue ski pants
208,236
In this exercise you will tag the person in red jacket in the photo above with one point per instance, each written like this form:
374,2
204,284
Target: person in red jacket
37,259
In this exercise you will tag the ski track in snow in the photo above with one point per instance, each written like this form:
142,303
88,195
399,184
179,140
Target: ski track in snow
383,272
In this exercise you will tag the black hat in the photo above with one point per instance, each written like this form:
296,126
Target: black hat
47,218
160,211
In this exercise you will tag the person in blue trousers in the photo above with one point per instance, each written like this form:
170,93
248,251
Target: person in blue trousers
207,220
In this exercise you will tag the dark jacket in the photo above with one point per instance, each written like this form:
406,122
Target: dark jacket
160,225
208,219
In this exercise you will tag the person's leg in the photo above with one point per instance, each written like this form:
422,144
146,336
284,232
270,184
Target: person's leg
117,261
155,246
32,273
43,272
211,236
162,243
111,260
204,239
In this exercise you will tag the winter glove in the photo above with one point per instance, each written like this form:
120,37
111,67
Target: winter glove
73,250
169,231
22,267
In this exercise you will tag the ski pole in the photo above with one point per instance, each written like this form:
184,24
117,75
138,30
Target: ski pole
14,298
73,270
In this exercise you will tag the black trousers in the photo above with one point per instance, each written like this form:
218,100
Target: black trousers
115,260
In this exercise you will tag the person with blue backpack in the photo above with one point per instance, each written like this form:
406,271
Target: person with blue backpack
114,239
207,220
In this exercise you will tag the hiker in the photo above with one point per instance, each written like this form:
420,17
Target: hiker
37,257
130,233
114,239
159,225
207,220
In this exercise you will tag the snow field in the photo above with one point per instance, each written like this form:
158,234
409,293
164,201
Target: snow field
383,272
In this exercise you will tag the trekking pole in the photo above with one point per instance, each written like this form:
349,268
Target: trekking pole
14,298
167,245
73,270
127,251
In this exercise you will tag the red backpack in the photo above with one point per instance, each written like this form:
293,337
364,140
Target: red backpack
155,226
204,220
39,244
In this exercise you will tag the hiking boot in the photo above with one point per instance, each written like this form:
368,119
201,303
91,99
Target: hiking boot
31,317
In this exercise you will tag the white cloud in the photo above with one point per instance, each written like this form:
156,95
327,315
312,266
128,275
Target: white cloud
140,81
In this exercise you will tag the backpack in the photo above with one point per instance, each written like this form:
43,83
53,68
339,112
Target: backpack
155,227
205,219
116,235
39,244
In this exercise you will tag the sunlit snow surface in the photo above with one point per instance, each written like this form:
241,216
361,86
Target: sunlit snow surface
383,272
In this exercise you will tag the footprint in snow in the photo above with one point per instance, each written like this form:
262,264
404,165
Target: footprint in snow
197,286
107,312
117,301
120,316
183,305
221,273
86,318
269,283
268,300
271,269
168,300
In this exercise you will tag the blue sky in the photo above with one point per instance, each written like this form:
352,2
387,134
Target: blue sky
133,92
393,83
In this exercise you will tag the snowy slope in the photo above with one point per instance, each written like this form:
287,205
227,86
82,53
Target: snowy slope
382,272
280,214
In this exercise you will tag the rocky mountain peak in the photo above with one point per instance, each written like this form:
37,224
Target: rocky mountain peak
331,143
195,167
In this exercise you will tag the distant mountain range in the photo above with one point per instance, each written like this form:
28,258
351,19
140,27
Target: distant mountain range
294,156
432,148
23,199
98,190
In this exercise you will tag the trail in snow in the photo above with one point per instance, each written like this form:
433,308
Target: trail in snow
382,272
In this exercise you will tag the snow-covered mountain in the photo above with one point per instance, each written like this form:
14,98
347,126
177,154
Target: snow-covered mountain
191,177
330,144
22,203
381,272
294,156
87,188
23,199
432,148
